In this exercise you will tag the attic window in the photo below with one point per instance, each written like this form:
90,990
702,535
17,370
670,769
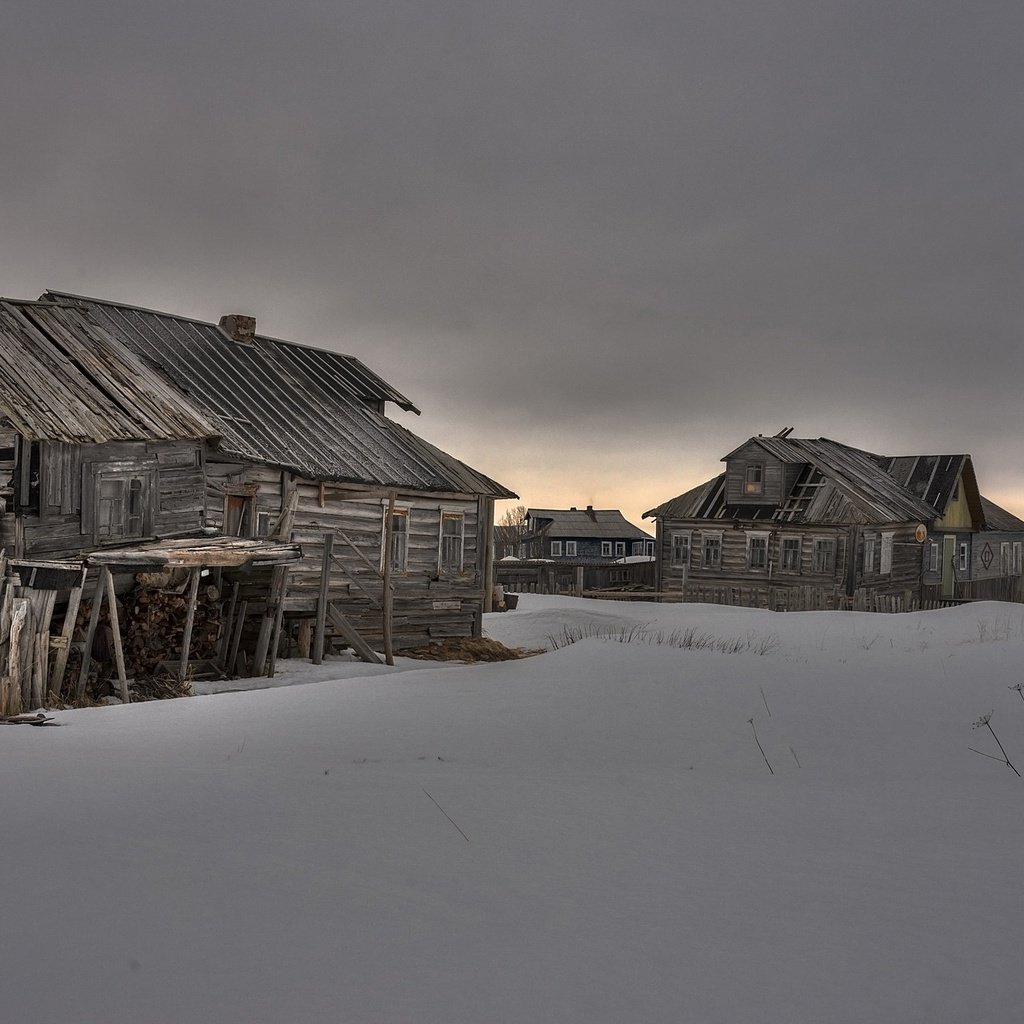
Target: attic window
754,483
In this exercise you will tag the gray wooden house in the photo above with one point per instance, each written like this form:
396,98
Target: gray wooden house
802,523
121,426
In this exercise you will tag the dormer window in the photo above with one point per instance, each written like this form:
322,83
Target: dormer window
754,483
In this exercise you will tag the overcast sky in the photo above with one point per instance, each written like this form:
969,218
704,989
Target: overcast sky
598,243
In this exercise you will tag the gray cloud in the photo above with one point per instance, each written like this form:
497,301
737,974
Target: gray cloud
624,226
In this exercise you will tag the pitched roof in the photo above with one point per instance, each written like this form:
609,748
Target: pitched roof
289,405
592,523
63,377
999,519
840,484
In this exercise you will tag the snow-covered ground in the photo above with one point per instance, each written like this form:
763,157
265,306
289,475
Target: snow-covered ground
590,835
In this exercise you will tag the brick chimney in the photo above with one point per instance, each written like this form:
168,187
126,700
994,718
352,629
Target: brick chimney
239,327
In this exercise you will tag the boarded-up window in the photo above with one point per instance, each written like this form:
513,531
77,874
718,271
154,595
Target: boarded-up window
869,554
885,559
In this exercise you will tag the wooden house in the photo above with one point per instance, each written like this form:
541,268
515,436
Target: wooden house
590,534
122,426
798,523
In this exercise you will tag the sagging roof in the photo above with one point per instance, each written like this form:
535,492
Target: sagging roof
63,377
840,484
294,406
591,523
998,519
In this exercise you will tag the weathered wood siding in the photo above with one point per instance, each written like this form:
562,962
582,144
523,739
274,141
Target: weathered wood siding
736,476
428,604
847,575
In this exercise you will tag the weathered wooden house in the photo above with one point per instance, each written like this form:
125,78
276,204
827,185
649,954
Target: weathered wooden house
797,523
597,535
120,425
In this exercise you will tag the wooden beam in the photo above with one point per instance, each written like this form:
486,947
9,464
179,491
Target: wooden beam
190,618
386,595
115,625
90,633
356,642
275,636
322,599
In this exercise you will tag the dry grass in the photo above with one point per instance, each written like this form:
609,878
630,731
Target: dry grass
467,649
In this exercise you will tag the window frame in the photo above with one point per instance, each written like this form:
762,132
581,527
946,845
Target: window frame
606,549
556,549
963,557
867,563
445,517
753,478
620,549
786,543
757,540
145,515
824,566
397,538
713,537
570,549
885,555
680,548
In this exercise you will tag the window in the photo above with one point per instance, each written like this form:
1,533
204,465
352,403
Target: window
712,550
681,548
570,548
964,563
1017,567
825,555
638,547
399,540
620,548
933,557
754,482
556,549
1004,559
121,505
649,548
869,554
757,551
606,549
450,549
791,554
885,559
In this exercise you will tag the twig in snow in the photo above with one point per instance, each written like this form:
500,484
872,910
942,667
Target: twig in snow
759,747
983,754
765,699
986,720
1019,688
447,815
795,758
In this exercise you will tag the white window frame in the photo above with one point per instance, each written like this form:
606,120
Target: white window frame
638,547
714,536
402,564
1017,558
964,562
606,549
649,548
570,548
885,558
933,556
760,536
824,566
442,536
782,553
680,543
620,549
556,549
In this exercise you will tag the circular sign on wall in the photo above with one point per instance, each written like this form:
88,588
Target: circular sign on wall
921,533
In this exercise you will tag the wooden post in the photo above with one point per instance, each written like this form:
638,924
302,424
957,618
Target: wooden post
389,657
64,645
225,637
321,605
236,638
275,636
579,581
190,618
115,624
90,634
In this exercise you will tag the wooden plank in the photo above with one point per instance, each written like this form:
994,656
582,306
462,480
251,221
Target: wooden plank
90,634
115,625
190,618
387,596
275,636
357,643
60,663
322,600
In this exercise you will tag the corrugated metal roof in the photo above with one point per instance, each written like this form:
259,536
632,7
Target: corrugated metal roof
64,378
596,524
290,405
